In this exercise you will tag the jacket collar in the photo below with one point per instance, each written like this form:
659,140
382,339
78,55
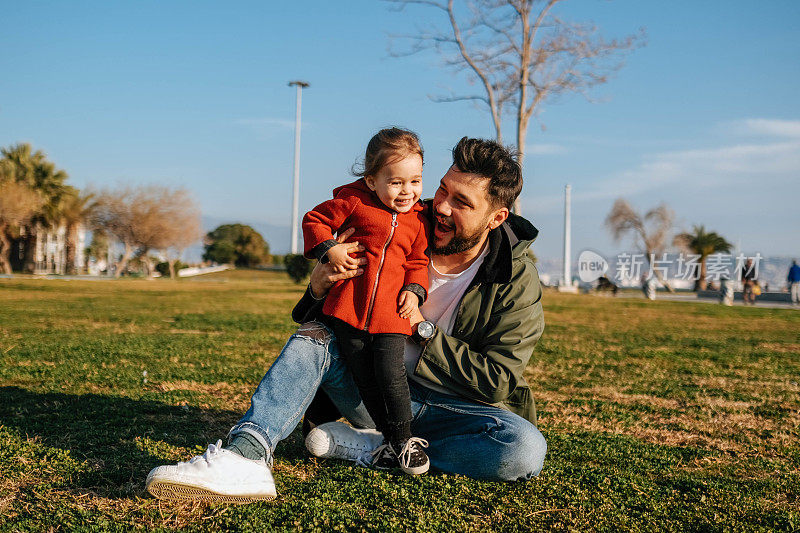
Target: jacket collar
507,241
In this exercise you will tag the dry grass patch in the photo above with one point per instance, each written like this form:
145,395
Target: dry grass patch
238,392
706,422
788,347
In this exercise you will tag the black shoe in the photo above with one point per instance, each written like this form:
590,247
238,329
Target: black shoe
412,458
384,458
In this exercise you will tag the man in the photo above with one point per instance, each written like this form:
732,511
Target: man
469,398
794,282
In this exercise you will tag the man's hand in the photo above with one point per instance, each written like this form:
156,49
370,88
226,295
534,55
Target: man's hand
415,318
408,302
323,277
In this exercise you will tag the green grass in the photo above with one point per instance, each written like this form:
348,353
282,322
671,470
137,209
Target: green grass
659,415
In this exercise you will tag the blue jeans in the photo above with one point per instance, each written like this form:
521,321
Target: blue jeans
465,437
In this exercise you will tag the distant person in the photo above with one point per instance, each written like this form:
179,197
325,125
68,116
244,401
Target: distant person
649,286
794,282
370,314
749,283
726,291
605,284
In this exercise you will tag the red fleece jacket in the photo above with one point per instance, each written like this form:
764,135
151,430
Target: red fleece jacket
395,250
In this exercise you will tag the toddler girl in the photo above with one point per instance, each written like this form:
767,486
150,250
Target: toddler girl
369,314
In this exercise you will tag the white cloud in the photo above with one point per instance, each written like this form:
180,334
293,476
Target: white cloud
545,149
770,167
744,190
757,165
755,159
772,127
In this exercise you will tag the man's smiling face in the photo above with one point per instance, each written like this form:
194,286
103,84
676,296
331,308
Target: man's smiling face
463,214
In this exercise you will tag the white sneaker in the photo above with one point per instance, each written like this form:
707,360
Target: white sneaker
218,475
337,440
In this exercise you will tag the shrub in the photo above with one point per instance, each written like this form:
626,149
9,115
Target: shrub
297,266
163,268
238,244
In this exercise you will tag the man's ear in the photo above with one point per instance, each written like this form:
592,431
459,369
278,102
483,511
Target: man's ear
497,217
370,182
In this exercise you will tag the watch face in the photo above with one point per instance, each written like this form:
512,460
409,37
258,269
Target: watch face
425,329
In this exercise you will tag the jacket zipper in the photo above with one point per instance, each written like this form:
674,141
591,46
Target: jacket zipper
378,275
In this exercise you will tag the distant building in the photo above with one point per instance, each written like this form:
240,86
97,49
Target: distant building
48,249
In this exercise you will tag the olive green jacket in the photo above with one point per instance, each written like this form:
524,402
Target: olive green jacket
497,325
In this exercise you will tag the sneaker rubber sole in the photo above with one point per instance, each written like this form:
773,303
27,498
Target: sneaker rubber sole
415,471
318,444
168,490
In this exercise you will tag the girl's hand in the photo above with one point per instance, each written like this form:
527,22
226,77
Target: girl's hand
323,277
409,303
339,258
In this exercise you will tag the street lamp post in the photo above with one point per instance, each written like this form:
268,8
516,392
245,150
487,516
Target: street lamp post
296,185
567,237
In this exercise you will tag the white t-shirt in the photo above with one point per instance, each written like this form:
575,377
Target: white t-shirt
445,292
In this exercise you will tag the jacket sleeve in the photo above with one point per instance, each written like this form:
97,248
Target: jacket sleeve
320,223
490,369
416,265
308,308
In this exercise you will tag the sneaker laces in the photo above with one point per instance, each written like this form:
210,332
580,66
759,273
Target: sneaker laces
212,451
364,459
376,454
404,457
350,451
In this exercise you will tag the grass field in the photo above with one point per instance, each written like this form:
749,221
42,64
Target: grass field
658,415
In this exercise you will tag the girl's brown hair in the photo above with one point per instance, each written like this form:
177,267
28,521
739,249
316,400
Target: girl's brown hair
386,147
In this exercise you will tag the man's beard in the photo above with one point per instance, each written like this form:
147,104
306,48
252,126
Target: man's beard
458,244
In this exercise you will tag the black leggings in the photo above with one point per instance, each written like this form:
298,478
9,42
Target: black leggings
376,362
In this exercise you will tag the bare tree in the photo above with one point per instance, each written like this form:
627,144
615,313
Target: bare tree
519,53
18,204
185,226
147,218
151,207
114,215
650,232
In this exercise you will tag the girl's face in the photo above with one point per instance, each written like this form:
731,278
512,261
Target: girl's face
399,184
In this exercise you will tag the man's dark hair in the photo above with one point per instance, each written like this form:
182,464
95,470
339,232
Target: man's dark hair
493,161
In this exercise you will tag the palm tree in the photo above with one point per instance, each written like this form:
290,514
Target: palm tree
22,165
650,232
75,210
703,244
18,203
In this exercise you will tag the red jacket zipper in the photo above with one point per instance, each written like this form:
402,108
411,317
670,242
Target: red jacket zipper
378,274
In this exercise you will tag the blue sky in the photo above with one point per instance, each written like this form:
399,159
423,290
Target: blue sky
705,117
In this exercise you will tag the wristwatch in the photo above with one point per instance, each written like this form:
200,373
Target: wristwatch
424,332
